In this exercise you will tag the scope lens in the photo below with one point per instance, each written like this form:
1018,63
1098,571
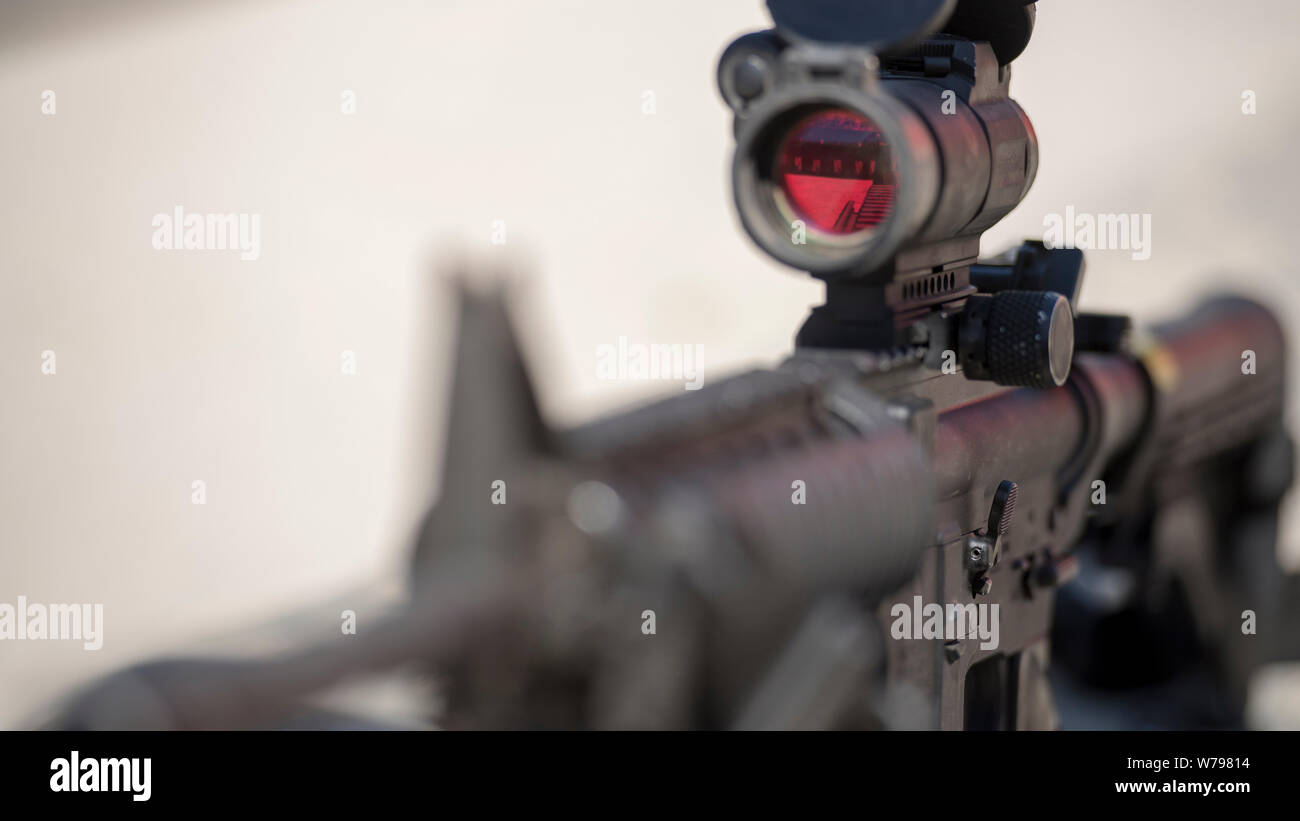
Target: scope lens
835,172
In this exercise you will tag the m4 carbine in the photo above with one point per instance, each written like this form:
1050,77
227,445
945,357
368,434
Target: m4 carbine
954,480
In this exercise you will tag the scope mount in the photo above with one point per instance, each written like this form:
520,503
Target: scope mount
1009,320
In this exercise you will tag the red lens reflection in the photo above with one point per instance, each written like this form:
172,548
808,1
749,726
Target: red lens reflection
837,172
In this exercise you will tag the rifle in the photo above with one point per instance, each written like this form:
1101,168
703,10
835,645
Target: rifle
958,499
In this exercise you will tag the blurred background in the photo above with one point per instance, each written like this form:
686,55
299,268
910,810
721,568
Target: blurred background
593,134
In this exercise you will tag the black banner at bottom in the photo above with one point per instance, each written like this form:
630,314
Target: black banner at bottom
330,770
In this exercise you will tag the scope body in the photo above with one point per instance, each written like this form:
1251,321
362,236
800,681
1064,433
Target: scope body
963,152
878,176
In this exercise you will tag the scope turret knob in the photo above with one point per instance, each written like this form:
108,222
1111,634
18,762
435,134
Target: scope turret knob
1021,338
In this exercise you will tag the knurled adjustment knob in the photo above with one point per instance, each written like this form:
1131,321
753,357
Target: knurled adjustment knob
1029,338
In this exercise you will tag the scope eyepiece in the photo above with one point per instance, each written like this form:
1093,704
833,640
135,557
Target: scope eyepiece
834,170
848,167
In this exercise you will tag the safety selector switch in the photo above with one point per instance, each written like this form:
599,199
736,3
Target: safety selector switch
1020,338
984,547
